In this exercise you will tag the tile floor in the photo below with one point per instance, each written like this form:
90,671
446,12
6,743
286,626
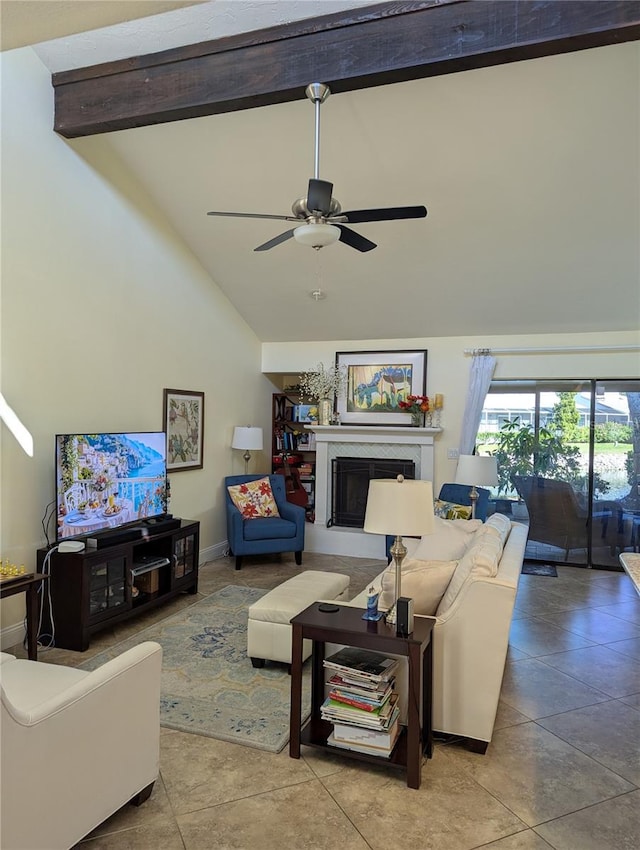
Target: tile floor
562,770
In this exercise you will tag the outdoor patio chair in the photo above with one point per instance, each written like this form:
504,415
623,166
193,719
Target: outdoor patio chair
555,514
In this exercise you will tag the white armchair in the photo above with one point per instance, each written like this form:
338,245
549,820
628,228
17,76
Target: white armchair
76,745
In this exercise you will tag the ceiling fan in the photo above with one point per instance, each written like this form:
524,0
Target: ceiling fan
321,220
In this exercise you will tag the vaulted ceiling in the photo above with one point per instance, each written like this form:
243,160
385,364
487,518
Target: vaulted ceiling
530,172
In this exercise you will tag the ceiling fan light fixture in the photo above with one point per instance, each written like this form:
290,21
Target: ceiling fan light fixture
316,235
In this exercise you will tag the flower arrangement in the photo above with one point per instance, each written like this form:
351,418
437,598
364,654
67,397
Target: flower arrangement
323,382
417,406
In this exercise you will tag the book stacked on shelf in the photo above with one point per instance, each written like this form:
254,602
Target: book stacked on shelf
362,704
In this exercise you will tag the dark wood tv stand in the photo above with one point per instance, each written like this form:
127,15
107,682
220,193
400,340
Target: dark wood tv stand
97,588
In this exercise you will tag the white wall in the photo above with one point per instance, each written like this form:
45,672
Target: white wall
448,367
102,307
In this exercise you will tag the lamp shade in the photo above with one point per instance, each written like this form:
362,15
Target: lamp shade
248,437
399,506
477,470
316,235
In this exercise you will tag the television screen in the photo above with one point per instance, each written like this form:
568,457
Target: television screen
105,481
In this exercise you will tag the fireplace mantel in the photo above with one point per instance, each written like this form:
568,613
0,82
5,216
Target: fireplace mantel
371,433
333,439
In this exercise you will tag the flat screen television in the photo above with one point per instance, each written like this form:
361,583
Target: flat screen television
106,481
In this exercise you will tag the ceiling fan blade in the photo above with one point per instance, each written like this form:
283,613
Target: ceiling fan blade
256,215
275,241
388,214
319,196
354,240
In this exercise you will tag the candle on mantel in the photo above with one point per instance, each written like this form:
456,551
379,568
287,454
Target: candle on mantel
437,401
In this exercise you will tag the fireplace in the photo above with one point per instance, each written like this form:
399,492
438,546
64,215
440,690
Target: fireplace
382,442
350,478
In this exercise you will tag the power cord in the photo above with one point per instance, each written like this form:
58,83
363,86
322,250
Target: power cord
49,513
41,638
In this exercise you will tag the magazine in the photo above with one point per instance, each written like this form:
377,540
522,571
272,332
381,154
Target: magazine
362,664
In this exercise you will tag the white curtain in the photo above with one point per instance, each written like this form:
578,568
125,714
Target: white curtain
482,368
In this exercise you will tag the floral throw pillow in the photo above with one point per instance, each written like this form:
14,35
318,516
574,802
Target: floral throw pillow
449,510
254,499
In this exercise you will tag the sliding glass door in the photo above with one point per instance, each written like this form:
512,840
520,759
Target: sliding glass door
569,464
616,470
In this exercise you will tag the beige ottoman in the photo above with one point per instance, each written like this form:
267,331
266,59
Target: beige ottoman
269,627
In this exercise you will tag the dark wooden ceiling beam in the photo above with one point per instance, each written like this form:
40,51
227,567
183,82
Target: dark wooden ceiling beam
370,46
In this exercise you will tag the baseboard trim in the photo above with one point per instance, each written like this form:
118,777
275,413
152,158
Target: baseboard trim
12,635
212,553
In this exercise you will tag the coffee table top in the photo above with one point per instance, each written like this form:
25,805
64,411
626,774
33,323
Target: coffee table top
631,563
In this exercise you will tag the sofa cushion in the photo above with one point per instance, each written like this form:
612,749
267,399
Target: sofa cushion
496,528
423,581
498,524
30,684
254,498
448,542
268,528
482,558
450,510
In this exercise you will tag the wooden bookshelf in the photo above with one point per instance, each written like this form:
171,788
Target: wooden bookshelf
289,435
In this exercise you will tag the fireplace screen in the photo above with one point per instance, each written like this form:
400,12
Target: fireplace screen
350,478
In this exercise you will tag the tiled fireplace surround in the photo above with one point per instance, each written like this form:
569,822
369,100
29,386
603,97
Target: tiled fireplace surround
380,442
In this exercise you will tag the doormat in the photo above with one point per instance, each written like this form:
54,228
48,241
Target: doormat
209,686
539,570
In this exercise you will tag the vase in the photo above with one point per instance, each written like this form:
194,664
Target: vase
417,419
324,411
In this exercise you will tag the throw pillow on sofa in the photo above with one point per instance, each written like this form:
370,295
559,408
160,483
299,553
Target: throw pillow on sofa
448,542
450,510
423,581
254,498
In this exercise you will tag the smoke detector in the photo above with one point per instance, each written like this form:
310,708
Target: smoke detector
318,295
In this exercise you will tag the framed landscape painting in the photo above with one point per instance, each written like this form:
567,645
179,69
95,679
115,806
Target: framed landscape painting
376,382
184,426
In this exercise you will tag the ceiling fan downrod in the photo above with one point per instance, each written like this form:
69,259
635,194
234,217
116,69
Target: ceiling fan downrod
317,94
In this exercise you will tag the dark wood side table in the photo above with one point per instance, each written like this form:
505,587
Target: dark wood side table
28,585
347,627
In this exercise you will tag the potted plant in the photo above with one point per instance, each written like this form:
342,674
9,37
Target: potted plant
322,385
521,451
417,406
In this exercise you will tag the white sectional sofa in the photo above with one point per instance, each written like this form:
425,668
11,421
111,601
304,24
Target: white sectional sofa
76,745
473,618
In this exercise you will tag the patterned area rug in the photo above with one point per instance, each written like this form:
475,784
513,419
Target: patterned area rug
209,686
539,570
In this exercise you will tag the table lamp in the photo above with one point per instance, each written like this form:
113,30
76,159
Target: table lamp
248,437
476,470
399,506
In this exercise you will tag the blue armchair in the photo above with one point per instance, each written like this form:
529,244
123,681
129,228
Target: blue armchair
265,535
459,494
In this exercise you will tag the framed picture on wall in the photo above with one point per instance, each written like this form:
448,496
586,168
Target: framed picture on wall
376,382
184,426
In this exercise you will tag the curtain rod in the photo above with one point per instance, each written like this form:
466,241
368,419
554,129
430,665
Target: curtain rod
577,349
